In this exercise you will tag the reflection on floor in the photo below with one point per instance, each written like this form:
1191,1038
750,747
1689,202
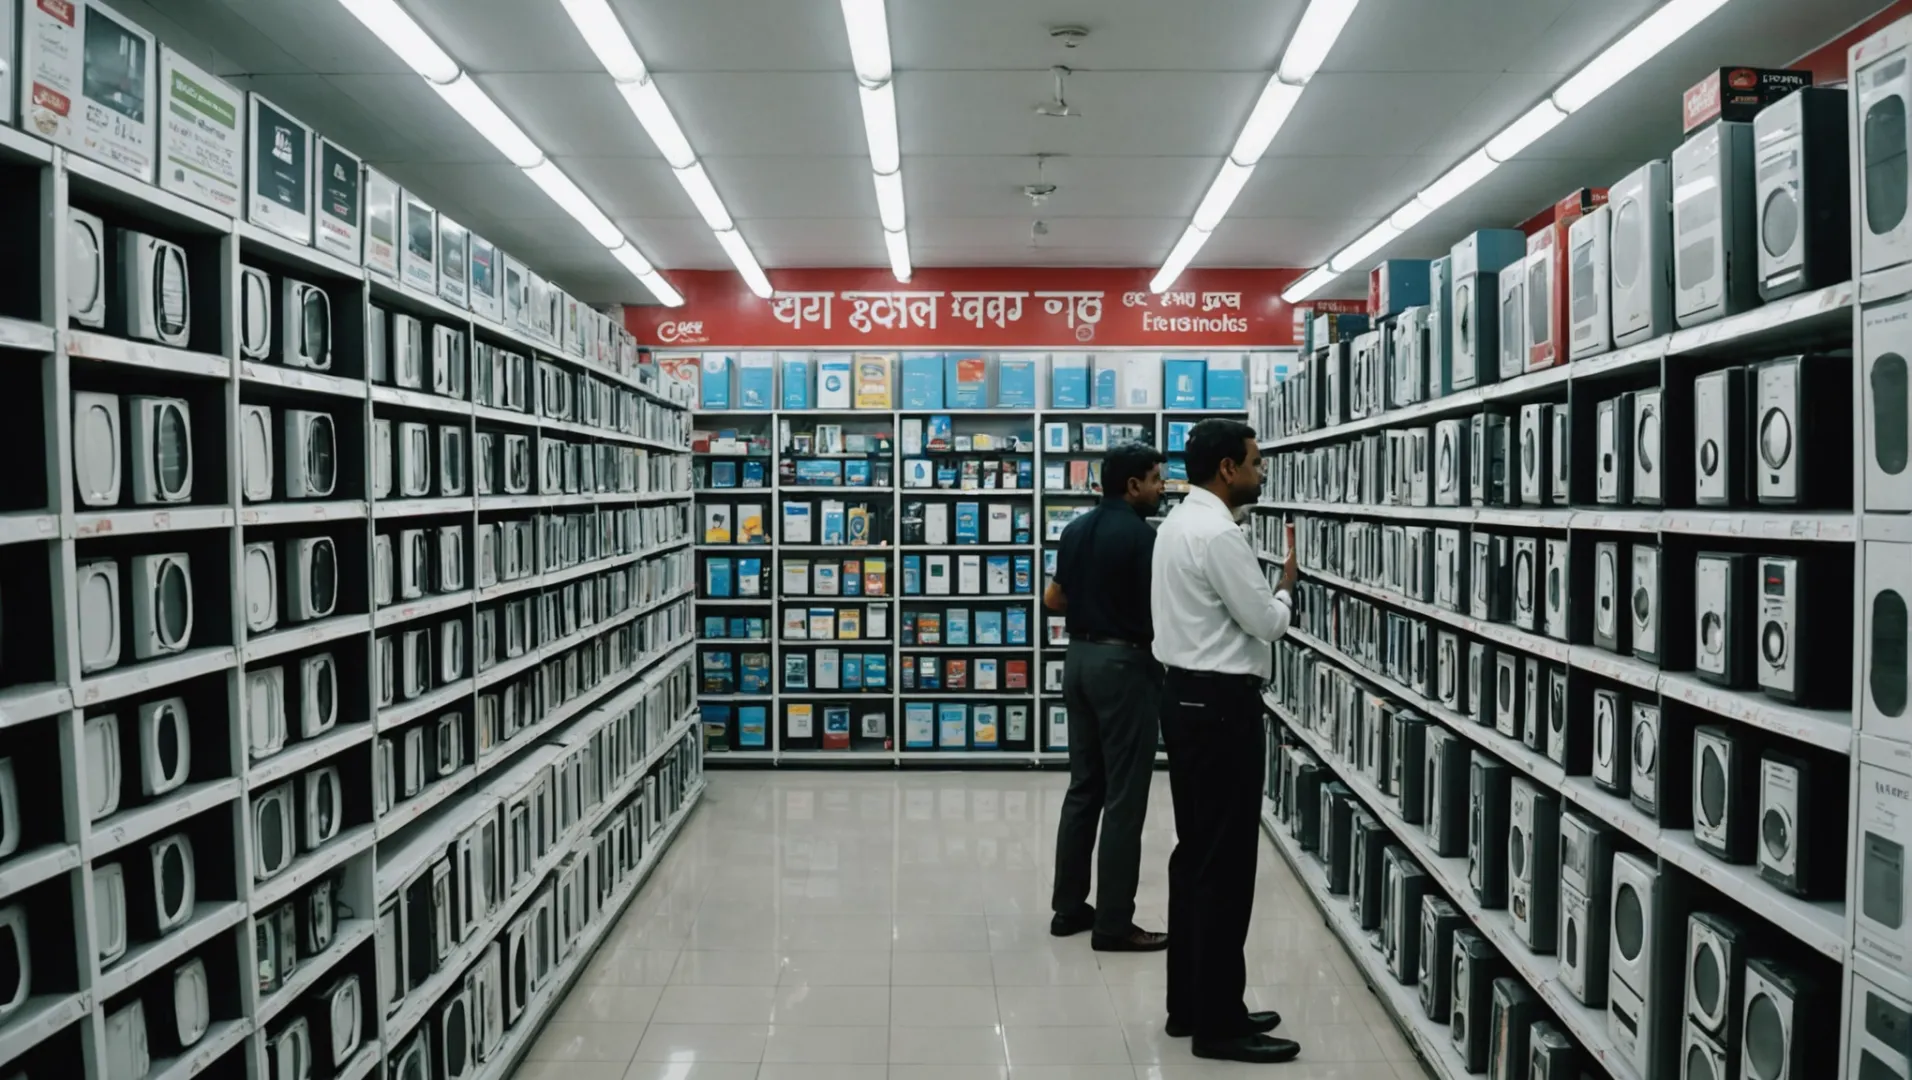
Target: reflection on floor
894,926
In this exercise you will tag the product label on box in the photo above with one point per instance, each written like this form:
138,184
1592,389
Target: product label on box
202,148
280,198
339,191
1738,93
92,82
381,223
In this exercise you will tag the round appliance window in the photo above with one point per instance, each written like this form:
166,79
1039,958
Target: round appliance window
1645,745
1624,258
1712,786
84,278
1772,642
1517,852
1464,321
1699,1066
169,287
1605,588
272,853
1766,1037
172,450
12,950
1646,442
1775,831
319,459
1709,457
1507,685
175,603
324,688
1888,378
1603,730
173,885
1884,166
1446,461
1629,922
1886,679
1524,579
1712,633
1642,604
1529,451
1570,950
318,325
98,456
325,576
166,739
328,785
1779,220
1539,293
1775,438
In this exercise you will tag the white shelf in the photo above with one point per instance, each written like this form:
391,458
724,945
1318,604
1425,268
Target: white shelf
308,752
317,382
39,1017
209,920
1829,526
346,936
304,512
87,345
24,870
311,866
253,239
305,635
151,674
173,808
27,336
222,1037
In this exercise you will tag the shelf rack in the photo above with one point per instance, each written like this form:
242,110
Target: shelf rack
47,531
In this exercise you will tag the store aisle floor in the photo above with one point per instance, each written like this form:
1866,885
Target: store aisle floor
895,926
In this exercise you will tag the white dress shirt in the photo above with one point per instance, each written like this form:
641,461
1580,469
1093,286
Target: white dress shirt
1212,606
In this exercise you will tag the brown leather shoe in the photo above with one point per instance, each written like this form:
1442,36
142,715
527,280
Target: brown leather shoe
1136,940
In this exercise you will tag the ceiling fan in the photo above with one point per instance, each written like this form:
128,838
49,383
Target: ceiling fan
1060,107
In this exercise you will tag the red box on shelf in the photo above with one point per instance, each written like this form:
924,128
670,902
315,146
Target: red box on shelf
1548,281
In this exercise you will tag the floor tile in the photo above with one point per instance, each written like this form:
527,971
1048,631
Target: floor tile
568,1041
711,968
776,1070
714,1005
1065,1046
795,1043
979,1045
1055,1006
704,1042
570,1070
609,1004
832,1006
835,969
680,1070
942,969
943,1006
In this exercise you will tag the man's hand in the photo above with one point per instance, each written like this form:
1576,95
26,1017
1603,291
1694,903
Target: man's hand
1289,570
1053,599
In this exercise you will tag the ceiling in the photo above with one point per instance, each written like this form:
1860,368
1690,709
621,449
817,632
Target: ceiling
764,92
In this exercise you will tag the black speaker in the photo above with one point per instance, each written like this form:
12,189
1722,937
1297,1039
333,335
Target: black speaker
1514,1011
1475,967
1488,791
1336,852
1440,921
1446,786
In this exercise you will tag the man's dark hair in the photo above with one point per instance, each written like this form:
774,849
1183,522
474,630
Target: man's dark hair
1211,442
1127,461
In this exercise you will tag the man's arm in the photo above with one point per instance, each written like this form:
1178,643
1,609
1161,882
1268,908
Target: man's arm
1053,599
1236,575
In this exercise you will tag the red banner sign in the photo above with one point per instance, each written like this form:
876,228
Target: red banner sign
1005,307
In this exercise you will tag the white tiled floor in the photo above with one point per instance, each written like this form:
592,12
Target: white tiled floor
895,926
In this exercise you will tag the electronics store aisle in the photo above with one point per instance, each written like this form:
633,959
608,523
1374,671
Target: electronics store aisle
843,926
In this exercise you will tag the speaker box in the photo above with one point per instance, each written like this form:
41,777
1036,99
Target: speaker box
1883,878
1408,749
1725,792
1612,766
1490,576
1533,864
1476,965
1715,266
1561,454
1556,588
1369,844
1337,810
1585,922
1305,826
1788,1024
1515,1008
1480,694
1451,475
1488,465
1535,447
1526,580
1440,921
1487,825
1648,438
1643,601
1644,765
1804,205
1641,254
1404,886
1886,638
1885,341
1878,1033
1507,690
1613,451
1802,423
1447,786
1715,970
1568,742
1802,815
1610,625
1634,1016
1450,672
1450,570
1702,1058
1722,618
1533,704
1719,437
1793,663
1551,1053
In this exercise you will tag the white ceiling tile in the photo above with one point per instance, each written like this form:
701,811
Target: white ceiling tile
677,243
1154,113
817,241
735,35
1377,114
1334,187
504,35
1009,242
321,35
1276,241
631,187
768,113
1137,35
412,108
1089,186
756,188
571,114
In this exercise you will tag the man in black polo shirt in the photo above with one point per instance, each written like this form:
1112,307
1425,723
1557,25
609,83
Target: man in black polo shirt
1113,686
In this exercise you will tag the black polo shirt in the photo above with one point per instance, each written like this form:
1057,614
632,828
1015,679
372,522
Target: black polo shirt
1103,568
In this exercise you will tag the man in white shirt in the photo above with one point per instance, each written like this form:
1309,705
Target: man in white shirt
1215,617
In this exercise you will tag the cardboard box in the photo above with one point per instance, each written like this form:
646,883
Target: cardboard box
1396,285
1550,322
1737,93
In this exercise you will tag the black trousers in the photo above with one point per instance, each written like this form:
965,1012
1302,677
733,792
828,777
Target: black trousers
1216,746
1114,698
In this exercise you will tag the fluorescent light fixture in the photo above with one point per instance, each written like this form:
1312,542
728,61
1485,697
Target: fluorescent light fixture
869,29
1636,47
1221,195
1178,259
643,271
404,37
1357,253
1410,215
899,244
879,126
1309,284
696,184
1320,25
1271,111
889,200
1457,179
745,262
576,203
651,111
484,115
1523,132
606,37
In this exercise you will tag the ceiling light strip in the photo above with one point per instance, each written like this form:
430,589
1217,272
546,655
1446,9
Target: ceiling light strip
391,24
867,24
1654,33
614,50
1314,36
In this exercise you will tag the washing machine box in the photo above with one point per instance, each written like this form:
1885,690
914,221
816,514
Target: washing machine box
1715,261
1366,853
1396,285
1725,791
1801,431
1611,621
1723,618
1446,787
1882,926
1737,94
1408,748
1641,254
1803,199
1879,74
1515,1009
1719,437
1475,966
1440,327
1336,850
1476,264
1404,886
1648,436
1556,588
1590,312
1801,846
1549,289
1885,341
1535,449
1533,863
1878,1032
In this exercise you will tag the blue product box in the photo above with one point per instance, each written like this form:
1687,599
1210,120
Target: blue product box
1228,382
912,575
969,523
753,723
723,474
952,725
717,578
1399,284
1178,435
1107,380
922,380
757,381
989,628
1069,381
754,673
1025,574
1185,384
986,732
826,472
714,386
713,626
956,627
1025,476
856,473
966,384
1016,382
852,584
1176,470
832,523
739,627
919,725
876,671
853,671
796,381
753,474
1016,626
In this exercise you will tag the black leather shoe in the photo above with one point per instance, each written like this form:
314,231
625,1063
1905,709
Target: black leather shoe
1259,1023
1075,922
1253,1049
1136,940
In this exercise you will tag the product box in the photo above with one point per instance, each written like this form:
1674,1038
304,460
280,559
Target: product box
1184,383
796,379
833,381
202,143
337,189
714,384
1737,93
1106,381
1228,380
1398,284
753,723
952,725
487,297
1141,381
1015,382
836,727
279,189
919,726
984,727
966,381
1069,381
382,208
872,372
756,380
1332,328
1547,263
922,380
88,79
1884,820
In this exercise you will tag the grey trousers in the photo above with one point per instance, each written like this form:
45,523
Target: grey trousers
1114,697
